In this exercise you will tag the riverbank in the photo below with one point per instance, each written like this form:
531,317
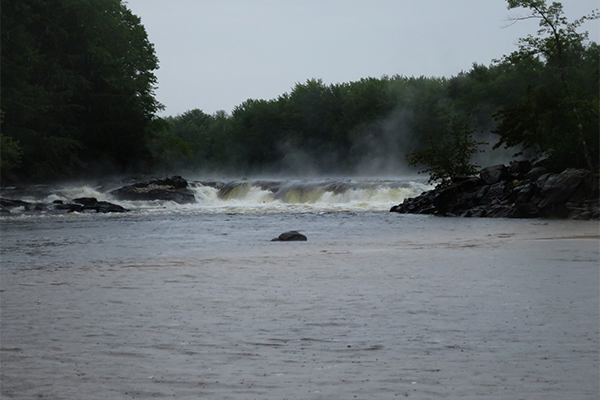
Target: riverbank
463,311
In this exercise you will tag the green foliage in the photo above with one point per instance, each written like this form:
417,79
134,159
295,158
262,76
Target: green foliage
10,154
78,99
559,114
448,155
77,86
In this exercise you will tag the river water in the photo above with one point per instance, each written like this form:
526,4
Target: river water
195,301
257,211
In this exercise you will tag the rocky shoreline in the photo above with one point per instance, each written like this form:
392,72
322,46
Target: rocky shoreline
521,190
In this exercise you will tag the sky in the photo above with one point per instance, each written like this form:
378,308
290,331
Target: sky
215,54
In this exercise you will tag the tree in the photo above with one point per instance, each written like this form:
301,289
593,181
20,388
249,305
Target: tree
77,87
448,154
562,112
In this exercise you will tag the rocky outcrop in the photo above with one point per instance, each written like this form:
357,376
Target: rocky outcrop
170,189
517,191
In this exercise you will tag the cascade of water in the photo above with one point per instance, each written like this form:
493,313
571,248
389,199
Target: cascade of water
249,196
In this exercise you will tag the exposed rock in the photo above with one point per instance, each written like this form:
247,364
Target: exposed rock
290,237
535,173
171,189
9,203
79,205
497,194
69,207
494,174
91,203
106,207
559,188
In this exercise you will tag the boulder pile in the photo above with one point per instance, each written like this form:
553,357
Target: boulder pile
517,191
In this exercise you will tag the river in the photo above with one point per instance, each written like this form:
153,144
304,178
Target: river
195,301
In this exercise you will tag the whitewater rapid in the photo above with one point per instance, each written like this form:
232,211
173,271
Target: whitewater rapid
243,196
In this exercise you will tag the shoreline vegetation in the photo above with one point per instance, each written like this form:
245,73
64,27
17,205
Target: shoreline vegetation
86,109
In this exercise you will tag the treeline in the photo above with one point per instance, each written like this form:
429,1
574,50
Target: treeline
78,100
371,124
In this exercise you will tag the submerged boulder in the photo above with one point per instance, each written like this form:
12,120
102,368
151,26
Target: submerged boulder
291,236
170,189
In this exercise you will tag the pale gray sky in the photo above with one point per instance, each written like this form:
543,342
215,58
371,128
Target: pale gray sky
215,54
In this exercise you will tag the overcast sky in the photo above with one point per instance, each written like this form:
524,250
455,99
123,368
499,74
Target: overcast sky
215,54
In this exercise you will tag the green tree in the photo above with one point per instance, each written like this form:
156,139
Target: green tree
10,154
561,116
448,155
77,87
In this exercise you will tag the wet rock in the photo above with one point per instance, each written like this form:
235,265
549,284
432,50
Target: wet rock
291,236
68,207
9,203
106,207
571,194
86,201
170,189
91,203
81,204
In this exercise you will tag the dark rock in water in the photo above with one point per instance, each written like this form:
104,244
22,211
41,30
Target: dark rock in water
106,207
171,189
290,236
9,203
571,194
86,201
69,207
91,203
78,205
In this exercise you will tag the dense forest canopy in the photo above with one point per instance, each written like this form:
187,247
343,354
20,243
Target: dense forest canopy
78,100
77,89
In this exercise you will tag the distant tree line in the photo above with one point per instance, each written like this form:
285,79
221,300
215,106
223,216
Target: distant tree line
86,105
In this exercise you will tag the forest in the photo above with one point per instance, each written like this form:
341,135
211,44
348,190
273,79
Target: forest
85,107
